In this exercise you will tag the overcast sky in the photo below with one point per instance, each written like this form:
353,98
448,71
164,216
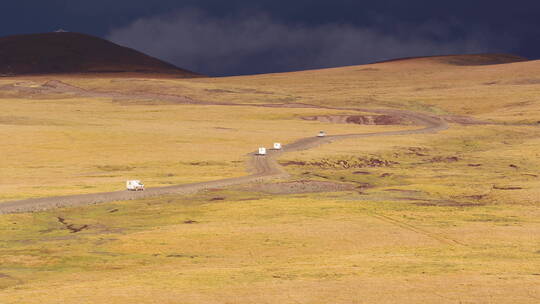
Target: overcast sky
218,37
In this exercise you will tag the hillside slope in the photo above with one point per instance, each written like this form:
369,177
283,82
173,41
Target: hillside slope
58,53
464,60
475,85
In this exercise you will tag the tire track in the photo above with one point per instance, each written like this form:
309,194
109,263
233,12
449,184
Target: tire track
435,236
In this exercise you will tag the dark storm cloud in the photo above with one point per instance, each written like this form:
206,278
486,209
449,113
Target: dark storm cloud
257,43
300,33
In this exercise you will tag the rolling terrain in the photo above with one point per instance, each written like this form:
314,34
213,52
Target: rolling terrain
426,190
263,167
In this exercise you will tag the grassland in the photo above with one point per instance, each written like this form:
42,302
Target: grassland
451,217
505,92
256,248
68,146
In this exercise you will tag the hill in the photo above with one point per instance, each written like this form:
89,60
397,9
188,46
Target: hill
464,60
477,85
65,52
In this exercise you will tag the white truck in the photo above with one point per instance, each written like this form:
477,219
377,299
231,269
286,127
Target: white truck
134,185
262,151
277,146
321,134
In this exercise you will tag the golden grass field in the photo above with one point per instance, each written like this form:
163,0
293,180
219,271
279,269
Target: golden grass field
504,92
66,146
452,217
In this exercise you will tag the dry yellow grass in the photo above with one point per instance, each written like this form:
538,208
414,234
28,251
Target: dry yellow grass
505,92
439,223
459,163
55,147
253,248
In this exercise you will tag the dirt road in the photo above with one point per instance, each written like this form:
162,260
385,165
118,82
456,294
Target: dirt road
262,167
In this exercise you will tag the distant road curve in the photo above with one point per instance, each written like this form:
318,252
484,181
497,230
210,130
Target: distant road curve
263,167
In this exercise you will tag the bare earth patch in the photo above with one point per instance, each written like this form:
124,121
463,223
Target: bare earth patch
360,119
352,163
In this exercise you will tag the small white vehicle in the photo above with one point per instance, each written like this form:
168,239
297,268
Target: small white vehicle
134,185
321,134
262,151
277,146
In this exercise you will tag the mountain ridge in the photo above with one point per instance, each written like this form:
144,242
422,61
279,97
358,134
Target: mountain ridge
68,52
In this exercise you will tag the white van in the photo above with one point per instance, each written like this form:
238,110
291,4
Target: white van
134,185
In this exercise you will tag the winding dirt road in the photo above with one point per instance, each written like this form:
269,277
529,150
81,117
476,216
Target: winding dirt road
262,167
